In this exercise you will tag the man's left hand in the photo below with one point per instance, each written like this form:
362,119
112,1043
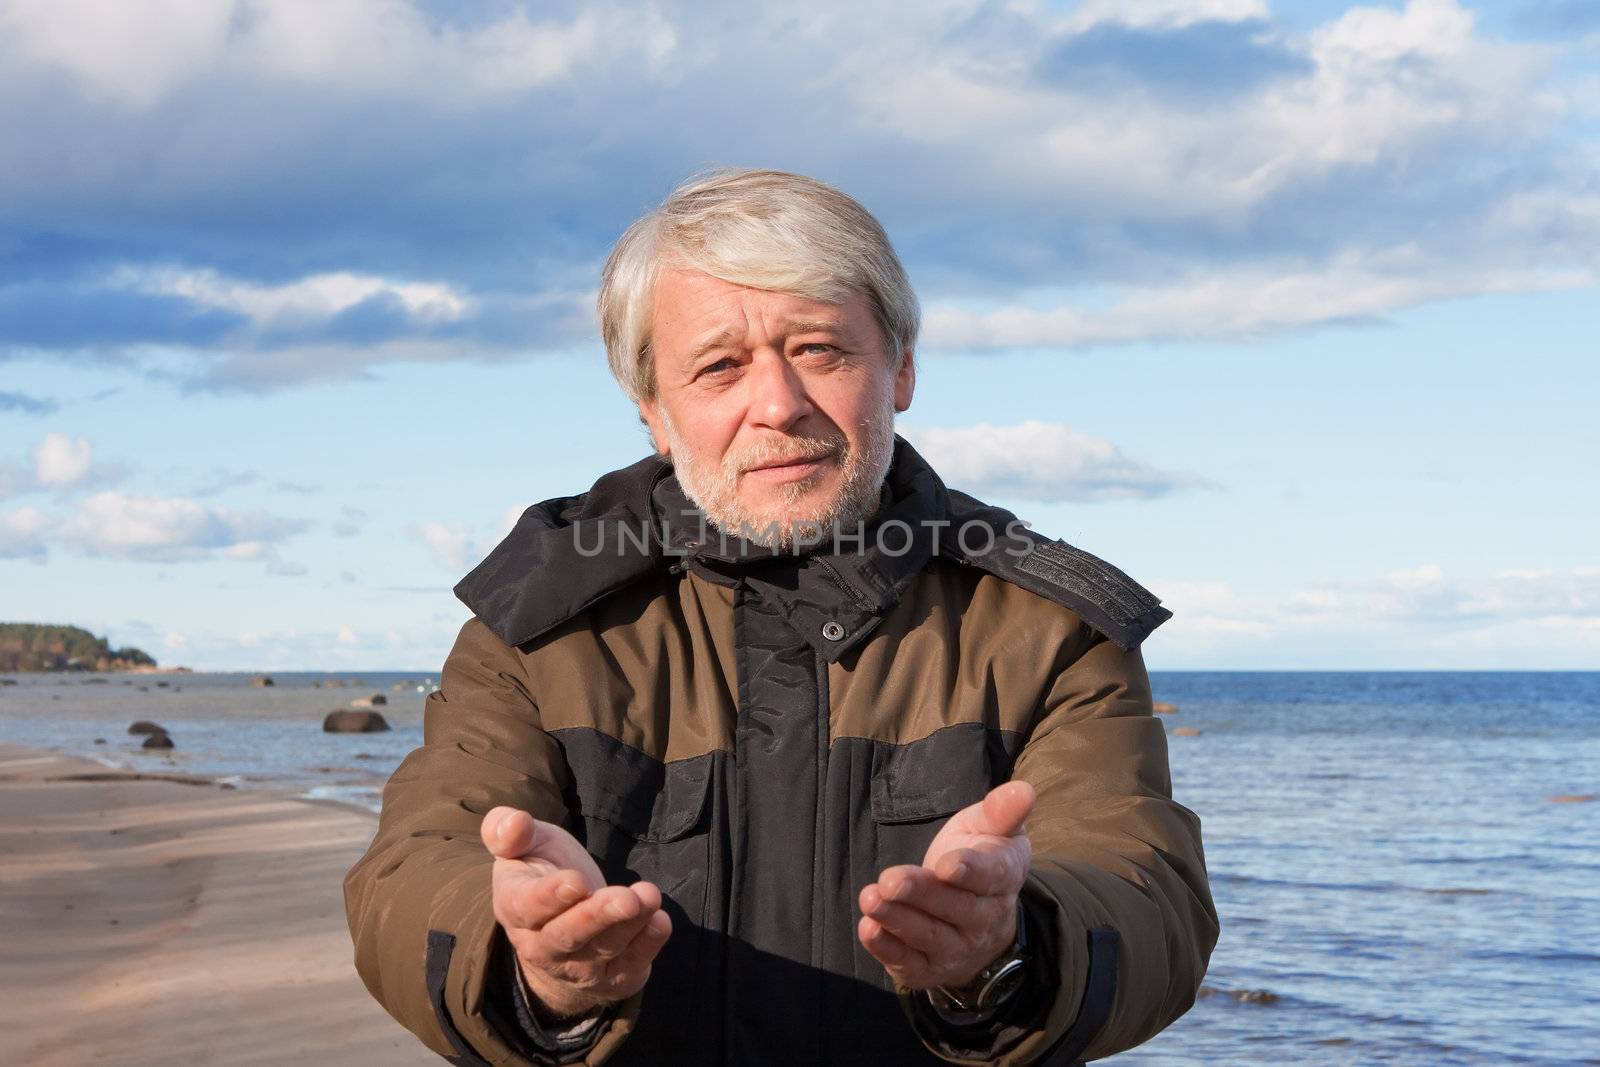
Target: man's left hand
943,922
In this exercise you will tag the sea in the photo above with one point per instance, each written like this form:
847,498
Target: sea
1406,865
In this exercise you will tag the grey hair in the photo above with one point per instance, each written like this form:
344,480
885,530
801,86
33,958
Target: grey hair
767,229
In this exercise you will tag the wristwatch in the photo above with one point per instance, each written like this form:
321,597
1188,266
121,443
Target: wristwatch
993,985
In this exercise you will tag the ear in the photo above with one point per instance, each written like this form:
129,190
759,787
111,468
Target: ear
905,380
650,414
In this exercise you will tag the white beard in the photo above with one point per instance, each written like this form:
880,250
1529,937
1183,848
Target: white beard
714,489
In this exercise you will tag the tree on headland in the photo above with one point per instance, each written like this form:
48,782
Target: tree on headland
29,646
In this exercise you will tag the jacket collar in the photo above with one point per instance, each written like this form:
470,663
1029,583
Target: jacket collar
567,554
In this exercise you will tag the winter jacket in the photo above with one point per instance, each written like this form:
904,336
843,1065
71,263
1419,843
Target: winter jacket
760,735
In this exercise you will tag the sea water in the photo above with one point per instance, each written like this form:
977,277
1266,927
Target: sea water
1396,881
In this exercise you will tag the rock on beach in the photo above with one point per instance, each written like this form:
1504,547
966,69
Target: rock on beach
353,721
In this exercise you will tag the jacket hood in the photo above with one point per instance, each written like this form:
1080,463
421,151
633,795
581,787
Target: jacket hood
567,553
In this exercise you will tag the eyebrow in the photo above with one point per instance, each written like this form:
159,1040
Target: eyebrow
723,338
817,326
717,340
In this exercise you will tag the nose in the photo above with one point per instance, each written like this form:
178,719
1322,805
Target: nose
778,397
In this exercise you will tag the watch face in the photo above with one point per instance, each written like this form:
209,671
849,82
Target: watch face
1004,984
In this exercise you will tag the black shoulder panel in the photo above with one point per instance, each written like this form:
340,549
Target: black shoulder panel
1102,595
563,555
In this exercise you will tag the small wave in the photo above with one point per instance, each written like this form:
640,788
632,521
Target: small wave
1242,996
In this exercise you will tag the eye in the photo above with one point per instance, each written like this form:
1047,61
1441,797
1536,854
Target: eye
817,348
718,367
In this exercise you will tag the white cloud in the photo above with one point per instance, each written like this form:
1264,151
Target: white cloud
168,529
347,638
392,47
127,52
1427,594
451,543
1394,155
308,301
508,521
1161,13
1420,618
60,460
1039,461
1242,302
22,533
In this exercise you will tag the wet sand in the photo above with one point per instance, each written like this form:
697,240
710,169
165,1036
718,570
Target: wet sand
159,921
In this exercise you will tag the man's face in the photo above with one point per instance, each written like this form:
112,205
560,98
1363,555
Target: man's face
777,410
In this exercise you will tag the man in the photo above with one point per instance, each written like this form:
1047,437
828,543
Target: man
770,748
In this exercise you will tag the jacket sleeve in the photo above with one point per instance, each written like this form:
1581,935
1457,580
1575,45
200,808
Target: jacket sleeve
1117,886
419,902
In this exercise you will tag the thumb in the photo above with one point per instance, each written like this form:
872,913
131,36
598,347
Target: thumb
507,832
1005,809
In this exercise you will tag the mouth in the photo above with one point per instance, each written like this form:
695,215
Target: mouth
789,470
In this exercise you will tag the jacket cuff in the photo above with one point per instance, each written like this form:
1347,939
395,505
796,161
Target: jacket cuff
513,1011
987,1038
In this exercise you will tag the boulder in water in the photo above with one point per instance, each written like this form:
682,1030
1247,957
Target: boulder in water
261,681
145,726
1186,731
353,721
161,740
369,702
1161,707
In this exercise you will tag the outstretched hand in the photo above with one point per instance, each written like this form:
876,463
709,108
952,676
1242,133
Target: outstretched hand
580,943
943,922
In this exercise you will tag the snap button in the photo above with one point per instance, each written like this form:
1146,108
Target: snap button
832,631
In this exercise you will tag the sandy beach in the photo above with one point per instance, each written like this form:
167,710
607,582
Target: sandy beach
153,921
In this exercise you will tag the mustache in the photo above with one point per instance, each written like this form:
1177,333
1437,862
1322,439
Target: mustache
788,450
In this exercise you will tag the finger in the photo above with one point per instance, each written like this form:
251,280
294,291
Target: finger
999,814
646,944
628,973
649,895
921,888
1006,808
932,937
528,901
982,871
568,933
905,963
613,942
507,832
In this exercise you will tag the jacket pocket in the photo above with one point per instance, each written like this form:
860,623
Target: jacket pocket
647,820
917,786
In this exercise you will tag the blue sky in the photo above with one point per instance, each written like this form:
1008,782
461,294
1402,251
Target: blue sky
1288,310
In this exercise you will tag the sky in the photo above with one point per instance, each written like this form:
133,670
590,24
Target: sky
1291,311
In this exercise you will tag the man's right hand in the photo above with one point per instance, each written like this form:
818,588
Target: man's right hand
580,942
